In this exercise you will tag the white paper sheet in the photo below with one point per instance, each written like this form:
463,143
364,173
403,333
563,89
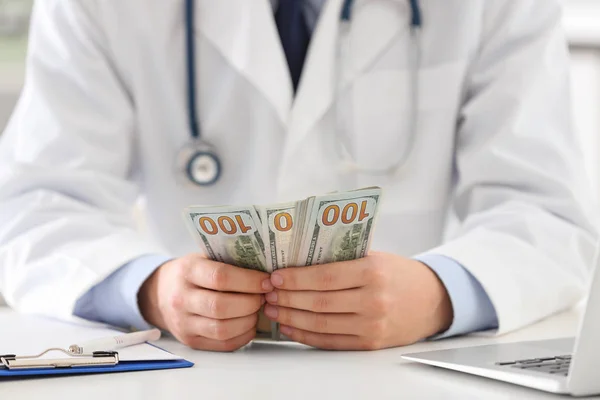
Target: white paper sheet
25,335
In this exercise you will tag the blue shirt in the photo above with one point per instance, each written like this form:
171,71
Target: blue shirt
114,300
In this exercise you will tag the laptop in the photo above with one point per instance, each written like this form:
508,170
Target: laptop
564,366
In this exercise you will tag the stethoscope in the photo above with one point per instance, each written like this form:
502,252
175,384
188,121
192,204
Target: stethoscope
199,159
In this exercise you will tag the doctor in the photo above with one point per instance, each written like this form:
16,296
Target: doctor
456,108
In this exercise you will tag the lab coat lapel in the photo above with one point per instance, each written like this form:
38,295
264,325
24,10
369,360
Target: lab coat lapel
316,91
246,35
373,28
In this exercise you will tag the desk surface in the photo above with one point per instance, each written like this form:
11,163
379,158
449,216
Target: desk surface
283,372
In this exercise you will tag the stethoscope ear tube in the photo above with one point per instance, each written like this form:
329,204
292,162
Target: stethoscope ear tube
190,15
348,161
416,17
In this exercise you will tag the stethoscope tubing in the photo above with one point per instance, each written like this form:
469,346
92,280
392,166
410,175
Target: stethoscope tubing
342,136
190,14
346,16
416,17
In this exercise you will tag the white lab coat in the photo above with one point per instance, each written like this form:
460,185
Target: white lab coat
103,115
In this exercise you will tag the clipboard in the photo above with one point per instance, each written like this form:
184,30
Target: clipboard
98,362
51,357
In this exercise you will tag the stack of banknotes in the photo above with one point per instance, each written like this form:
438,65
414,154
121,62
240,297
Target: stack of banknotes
317,230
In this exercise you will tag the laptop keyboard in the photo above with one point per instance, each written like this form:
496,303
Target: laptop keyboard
558,365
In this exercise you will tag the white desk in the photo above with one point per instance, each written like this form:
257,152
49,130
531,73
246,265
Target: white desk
271,371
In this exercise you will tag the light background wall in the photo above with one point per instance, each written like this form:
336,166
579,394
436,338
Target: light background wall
13,26
582,22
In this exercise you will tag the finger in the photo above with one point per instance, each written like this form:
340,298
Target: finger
218,329
347,324
328,341
328,277
341,301
202,343
226,278
221,305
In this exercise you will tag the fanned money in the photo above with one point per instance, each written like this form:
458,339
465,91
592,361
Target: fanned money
317,230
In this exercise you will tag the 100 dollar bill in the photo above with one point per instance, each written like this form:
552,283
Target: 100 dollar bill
339,227
278,230
231,235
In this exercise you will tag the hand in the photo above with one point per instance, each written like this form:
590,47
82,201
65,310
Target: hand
206,305
376,302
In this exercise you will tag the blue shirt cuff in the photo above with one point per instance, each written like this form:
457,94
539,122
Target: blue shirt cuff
473,310
114,301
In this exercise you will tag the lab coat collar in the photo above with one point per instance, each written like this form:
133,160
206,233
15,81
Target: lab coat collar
246,35
316,91
371,32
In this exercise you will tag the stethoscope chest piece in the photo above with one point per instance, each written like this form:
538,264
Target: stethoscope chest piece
200,163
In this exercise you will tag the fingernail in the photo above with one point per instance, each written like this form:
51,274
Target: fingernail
277,279
267,285
262,300
271,311
271,297
286,330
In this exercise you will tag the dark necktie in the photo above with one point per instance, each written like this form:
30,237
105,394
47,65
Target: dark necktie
294,34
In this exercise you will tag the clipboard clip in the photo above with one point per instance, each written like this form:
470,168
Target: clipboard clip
96,359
